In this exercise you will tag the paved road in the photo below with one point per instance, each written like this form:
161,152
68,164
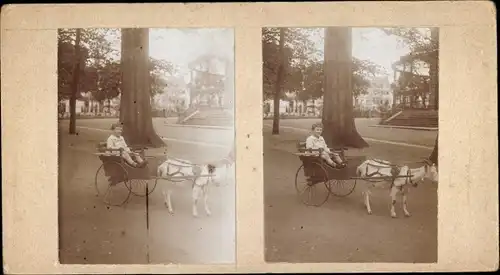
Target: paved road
341,230
92,233
364,126
173,134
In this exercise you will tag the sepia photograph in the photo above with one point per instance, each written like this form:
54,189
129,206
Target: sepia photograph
350,134
146,146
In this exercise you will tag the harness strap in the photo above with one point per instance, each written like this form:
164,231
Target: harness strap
409,176
174,173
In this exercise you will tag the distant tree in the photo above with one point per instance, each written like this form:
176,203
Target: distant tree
100,68
75,84
158,70
279,81
425,48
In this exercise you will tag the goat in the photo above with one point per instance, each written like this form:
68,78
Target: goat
369,170
201,175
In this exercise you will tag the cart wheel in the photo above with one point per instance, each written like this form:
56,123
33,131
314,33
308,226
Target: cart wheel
110,183
138,186
342,188
312,189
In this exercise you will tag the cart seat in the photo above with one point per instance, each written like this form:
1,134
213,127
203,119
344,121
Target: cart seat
301,146
101,147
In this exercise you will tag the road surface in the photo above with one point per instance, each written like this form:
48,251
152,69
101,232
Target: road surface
91,232
365,127
341,230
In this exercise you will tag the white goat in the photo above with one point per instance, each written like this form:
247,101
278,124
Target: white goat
371,169
201,177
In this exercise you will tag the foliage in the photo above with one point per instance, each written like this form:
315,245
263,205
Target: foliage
298,51
305,73
159,68
419,41
424,47
65,54
100,72
363,71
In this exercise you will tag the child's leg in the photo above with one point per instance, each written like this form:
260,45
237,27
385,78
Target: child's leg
138,157
337,158
128,159
325,156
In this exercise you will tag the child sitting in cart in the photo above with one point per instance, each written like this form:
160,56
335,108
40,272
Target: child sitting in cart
116,141
316,141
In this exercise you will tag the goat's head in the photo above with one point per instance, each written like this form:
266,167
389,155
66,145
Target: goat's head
431,172
211,171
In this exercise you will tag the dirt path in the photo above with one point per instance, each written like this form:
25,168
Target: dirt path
341,230
91,232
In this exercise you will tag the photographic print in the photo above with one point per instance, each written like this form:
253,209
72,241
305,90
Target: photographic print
350,144
146,146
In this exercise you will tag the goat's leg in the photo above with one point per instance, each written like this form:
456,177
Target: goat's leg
205,199
196,194
405,209
167,198
366,195
394,192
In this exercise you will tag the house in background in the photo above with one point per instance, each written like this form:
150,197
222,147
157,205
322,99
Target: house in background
87,106
207,81
379,94
175,95
294,107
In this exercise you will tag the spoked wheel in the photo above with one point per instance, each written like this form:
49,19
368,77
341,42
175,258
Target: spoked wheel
141,187
312,187
111,183
342,188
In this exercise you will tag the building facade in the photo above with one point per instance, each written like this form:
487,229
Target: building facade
379,94
209,82
294,107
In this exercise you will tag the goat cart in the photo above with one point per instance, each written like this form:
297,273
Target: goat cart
116,180
315,180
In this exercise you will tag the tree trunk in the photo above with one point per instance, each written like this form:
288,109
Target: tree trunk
74,85
434,155
279,83
434,71
338,119
135,111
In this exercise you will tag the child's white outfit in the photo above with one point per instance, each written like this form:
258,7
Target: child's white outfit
115,142
313,142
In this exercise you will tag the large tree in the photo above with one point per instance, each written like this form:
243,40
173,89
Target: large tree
338,119
135,108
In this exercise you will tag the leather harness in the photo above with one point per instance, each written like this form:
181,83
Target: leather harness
395,170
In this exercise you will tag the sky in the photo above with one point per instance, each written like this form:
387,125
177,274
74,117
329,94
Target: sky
374,45
181,46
